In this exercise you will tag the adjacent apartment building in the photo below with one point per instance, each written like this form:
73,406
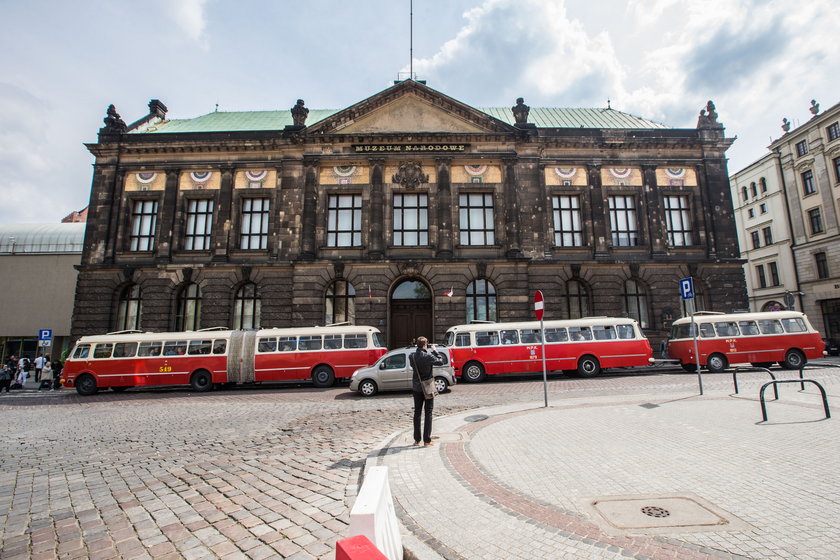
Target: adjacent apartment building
787,205
409,211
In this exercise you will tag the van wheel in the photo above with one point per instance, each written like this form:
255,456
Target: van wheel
368,388
201,381
323,376
794,359
440,384
86,385
588,366
717,363
473,372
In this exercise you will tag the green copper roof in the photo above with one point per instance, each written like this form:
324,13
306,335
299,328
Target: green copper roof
543,117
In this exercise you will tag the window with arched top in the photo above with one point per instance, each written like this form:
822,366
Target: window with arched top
129,308
635,302
246,307
763,183
340,304
481,301
188,313
753,190
577,299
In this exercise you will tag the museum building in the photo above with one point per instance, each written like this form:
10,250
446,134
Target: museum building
409,211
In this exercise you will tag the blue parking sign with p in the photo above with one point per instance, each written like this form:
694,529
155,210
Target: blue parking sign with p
45,334
687,288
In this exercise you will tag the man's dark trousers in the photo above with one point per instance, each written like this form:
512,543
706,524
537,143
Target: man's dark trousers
420,401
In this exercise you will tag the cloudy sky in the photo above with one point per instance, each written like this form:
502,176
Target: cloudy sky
65,62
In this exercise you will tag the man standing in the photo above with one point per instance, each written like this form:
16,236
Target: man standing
39,365
422,363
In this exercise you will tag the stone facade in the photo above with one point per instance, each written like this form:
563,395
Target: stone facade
375,166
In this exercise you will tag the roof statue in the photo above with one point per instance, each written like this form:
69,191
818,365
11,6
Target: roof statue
299,113
815,107
520,111
113,122
708,117
785,125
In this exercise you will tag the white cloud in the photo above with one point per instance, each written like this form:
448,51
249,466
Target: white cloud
190,17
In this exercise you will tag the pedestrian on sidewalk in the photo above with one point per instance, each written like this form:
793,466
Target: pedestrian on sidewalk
5,377
46,381
57,366
422,363
23,371
39,366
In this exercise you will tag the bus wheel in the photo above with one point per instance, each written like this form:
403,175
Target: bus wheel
794,359
201,381
368,388
473,372
86,385
717,363
323,376
440,384
588,366
689,367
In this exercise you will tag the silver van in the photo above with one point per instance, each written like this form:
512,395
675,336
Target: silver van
392,372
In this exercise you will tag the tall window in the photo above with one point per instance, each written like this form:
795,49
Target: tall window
759,273
802,148
567,228
822,265
199,225
833,131
623,221
129,309
763,183
635,303
753,189
744,194
411,219
143,222
481,301
340,303
837,168
677,221
768,235
808,183
756,240
344,220
774,274
476,219
577,299
188,315
253,232
246,307
815,219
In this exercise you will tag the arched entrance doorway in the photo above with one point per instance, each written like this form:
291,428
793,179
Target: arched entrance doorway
411,312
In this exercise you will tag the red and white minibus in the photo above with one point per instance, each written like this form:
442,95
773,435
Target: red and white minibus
206,357
582,346
760,339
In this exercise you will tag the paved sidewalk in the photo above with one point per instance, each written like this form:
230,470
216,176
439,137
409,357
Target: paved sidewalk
641,476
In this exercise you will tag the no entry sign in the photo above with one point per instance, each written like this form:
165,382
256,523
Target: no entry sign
538,305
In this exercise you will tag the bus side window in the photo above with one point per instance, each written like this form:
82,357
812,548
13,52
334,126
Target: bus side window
748,328
580,333
219,346
102,350
603,332
310,342
791,326
175,348
770,326
727,328
287,344
267,345
556,335
487,338
529,336
125,349
510,337
462,339
81,352
625,331
332,341
707,330
200,347
355,341
149,349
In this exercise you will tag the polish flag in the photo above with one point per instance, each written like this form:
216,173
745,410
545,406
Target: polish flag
451,292
370,294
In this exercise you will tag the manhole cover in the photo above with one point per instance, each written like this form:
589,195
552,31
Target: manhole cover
649,405
654,511
476,418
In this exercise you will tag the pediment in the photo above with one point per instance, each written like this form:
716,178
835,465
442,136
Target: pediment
409,108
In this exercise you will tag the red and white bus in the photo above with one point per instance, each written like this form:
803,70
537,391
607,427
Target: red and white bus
760,339
582,346
213,356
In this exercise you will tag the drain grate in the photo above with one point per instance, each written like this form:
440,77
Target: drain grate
654,511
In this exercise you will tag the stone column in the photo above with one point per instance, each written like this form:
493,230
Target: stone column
511,209
377,209
599,218
657,233
166,226
309,247
221,229
444,208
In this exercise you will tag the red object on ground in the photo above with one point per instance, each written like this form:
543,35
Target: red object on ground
357,548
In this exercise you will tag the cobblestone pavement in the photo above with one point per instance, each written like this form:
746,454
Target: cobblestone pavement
266,473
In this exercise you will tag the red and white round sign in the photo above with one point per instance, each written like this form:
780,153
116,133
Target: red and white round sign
538,305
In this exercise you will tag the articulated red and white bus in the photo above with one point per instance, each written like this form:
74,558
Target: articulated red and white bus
212,356
582,346
760,339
